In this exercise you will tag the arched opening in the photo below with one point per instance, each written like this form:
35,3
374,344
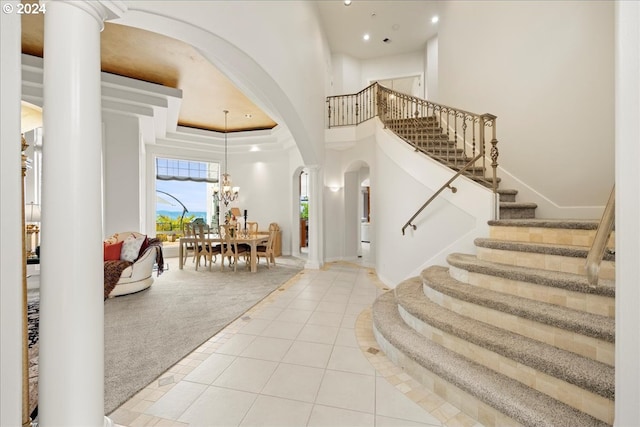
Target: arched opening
303,204
359,236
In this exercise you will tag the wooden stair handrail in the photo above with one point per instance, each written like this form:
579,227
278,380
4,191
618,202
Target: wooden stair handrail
596,253
440,190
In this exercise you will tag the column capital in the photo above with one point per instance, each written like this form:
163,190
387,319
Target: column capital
100,10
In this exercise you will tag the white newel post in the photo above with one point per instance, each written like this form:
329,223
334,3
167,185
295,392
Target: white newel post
315,258
71,358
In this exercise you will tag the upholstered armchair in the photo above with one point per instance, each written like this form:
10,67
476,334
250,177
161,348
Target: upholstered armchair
137,275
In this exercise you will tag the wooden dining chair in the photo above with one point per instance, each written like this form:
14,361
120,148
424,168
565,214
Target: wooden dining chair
188,231
204,248
266,250
229,246
252,228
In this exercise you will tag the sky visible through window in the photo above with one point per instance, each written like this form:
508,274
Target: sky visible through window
189,186
192,194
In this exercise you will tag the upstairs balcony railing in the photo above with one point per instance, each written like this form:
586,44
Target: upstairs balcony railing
452,136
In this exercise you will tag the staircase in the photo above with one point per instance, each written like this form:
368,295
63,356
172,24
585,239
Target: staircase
513,335
427,136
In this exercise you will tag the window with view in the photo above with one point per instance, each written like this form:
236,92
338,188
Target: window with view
183,194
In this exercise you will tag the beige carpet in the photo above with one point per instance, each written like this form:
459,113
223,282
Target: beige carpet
147,332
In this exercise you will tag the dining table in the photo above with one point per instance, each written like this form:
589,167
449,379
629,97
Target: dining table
253,240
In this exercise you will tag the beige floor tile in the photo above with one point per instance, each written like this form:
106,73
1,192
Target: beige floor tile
326,416
350,359
274,411
318,333
219,407
348,391
176,400
267,348
210,369
246,374
294,382
308,354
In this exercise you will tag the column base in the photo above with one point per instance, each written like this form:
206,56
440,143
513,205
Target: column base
313,265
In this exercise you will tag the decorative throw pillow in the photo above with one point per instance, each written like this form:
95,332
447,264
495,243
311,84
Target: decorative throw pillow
112,251
131,247
111,239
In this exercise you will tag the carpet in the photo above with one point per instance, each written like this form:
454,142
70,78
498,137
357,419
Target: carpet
33,319
148,332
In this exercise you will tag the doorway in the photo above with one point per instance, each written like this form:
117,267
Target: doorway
359,231
364,206
303,190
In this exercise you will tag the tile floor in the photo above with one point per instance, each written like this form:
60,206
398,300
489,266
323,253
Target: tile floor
304,356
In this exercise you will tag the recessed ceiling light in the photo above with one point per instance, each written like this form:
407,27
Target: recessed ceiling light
435,20
365,37
347,2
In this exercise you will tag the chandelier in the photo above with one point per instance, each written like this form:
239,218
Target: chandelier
228,193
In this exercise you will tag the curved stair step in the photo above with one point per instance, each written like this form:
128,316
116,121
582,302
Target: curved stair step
556,279
587,324
539,248
512,398
517,210
507,194
585,224
580,371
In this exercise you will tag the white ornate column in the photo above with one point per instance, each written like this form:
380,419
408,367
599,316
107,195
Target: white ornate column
627,134
71,358
11,232
316,242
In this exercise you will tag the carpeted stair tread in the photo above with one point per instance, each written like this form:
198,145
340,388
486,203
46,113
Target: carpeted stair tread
507,194
557,279
517,205
538,248
575,369
514,399
547,223
588,324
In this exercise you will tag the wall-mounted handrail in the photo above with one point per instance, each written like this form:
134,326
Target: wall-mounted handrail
596,253
440,190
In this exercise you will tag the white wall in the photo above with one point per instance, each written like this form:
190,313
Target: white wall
409,64
347,72
546,70
334,205
356,150
265,193
403,181
351,75
122,174
431,67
